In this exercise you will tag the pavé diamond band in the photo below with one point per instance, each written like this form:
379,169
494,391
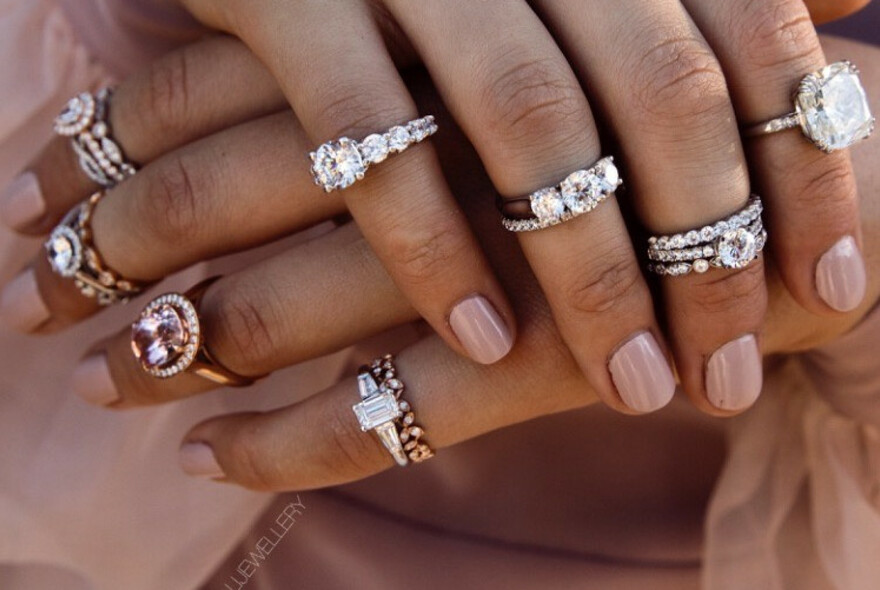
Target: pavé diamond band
85,120
580,192
340,163
831,109
383,410
732,243
167,339
72,254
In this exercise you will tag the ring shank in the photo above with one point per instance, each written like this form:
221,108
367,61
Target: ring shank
789,121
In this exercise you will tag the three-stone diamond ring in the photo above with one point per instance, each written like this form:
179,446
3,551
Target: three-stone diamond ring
580,192
85,120
167,339
71,252
340,163
732,243
831,109
383,410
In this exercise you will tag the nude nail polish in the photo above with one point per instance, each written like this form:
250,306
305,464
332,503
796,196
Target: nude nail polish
840,276
481,330
22,201
642,374
197,459
92,381
735,374
21,305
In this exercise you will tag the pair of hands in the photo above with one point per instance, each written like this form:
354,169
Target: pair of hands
219,115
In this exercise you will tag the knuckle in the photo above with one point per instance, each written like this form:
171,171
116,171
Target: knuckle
532,98
243,321
171,206
827,185
743,292
779,36
603,285
168,92
345,109
678,78
423,257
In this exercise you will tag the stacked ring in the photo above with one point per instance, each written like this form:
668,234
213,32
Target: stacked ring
731,243
580,192
72,254
167,339
85,120
339,164
383,410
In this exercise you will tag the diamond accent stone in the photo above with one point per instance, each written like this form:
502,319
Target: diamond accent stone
399,138
547,204
64,251
736,248
374,148
377,410
834,107
159,337
338,164
76,116
578,188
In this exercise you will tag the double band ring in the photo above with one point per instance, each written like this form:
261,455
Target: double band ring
72,254
339,164
383,410
85,120
580,192
830,107
167,339
731,243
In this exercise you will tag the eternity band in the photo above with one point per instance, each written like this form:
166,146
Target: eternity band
85,120
340,163
830,107
580,192
383,410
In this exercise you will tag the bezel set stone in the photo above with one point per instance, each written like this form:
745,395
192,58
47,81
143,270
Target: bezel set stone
340,163
383,410
65,264
732,243
182,356
580,192
85,121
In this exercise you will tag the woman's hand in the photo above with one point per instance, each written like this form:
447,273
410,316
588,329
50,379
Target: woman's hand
522,106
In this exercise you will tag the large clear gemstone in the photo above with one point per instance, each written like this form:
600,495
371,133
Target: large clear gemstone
376,410
159,337
736,248
835,107
547,204
374,148
63,250
338,164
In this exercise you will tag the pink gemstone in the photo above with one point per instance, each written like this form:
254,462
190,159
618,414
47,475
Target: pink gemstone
158,338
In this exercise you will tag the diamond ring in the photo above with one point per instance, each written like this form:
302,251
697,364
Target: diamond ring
85,120
830,107
383,410
580,192
340,163
167,339
732,243
72,254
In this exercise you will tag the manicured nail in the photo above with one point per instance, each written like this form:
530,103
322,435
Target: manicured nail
92,381
734,375
481,330
642,374
22,201
840,276
197,459
21,306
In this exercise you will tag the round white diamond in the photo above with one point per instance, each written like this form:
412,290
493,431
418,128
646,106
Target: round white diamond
611,177
579,190
374,148
338,164
399,138
736,248
64,251
547,204
834,108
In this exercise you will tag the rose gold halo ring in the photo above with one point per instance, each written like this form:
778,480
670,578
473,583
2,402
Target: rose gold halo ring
167,339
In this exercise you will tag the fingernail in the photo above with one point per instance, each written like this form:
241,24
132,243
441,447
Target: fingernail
642,374
22,201
840,276
735,375
92,381
197,459
21,306
481,330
